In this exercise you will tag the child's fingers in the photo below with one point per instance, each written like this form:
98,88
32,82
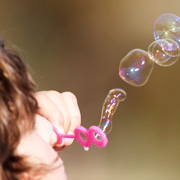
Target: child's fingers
74,113
58,100
50,111
61,109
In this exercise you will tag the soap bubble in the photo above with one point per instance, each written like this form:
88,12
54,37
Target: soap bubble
136,67
156,53
167,26
109,108
165,52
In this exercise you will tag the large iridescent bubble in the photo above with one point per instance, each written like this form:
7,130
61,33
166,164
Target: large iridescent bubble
136,67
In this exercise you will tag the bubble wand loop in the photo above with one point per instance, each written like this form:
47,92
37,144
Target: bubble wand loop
97,134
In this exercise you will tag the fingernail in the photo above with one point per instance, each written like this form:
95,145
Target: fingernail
61,131
69,141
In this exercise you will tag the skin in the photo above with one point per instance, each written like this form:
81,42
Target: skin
60,110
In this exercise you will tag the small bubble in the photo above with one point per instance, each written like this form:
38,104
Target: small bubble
164,52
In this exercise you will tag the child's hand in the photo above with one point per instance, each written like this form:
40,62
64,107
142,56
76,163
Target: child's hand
55,109
59,110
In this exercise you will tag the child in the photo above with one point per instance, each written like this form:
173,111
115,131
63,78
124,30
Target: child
28,143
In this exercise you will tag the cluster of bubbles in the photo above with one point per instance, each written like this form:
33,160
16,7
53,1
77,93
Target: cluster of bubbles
136,67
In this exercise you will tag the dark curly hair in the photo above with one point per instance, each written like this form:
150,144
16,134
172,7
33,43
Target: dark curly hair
17,110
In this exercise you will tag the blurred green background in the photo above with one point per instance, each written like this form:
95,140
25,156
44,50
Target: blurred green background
76,46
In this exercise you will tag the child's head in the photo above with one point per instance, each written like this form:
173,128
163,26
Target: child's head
17,109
